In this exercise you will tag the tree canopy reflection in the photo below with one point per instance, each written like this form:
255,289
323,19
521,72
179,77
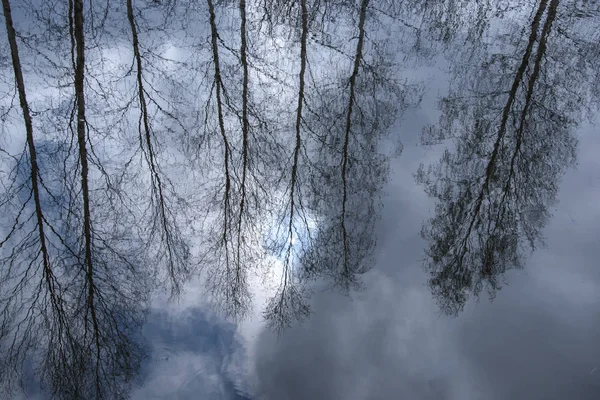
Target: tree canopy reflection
511,116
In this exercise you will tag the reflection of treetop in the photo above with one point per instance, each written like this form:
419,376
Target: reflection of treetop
163,140
511,120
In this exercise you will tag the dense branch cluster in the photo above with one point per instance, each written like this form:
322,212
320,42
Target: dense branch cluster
512,126
162,141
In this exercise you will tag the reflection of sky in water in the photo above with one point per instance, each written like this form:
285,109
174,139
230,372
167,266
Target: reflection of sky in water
191,356
541,331
303,229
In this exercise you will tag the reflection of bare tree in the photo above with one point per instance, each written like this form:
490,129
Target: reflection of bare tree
240,227
72,295
243,197
233,284
288,304
171,246
352,121
99,199
340,229
346,274
336,168
495,187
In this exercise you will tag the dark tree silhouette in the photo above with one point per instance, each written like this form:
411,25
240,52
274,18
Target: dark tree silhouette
72,295
288,304
512,130
337,168
351,124
227,277
171,246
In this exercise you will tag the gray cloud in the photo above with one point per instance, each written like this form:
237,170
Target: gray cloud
537,340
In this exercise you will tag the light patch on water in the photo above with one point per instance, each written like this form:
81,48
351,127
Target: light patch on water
303,228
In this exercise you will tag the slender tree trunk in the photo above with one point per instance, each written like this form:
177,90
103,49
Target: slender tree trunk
541,51
294,177
348,129
503,123
232,292
16,62
79,39
245,133
148,150
287,305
